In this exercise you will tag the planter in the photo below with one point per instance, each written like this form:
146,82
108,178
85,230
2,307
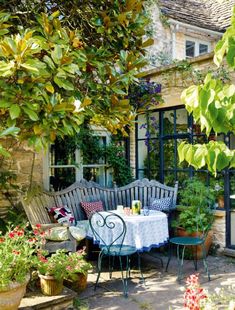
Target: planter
79,282
50,286
10,297
181,232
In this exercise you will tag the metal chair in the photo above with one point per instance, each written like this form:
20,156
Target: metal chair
109,230
185,242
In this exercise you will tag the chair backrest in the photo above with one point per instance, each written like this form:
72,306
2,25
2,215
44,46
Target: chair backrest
109,229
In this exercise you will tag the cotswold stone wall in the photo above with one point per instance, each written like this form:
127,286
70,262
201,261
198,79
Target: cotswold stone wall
20,164
219,230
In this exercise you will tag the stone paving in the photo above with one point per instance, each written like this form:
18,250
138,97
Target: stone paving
161,291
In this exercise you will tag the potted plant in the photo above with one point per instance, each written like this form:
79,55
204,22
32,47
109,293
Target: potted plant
77,269
51,271
17,248
195,212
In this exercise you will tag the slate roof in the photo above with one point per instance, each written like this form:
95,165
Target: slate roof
210,14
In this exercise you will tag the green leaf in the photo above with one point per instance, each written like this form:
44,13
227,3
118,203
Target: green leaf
118,91
9,131
14,111
57,54
32,115
63,83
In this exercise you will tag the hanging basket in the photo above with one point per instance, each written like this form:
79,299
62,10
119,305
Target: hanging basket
11,296
50,286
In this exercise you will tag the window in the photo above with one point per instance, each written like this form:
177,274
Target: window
195,48
64,164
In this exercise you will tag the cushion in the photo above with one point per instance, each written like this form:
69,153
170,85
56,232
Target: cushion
162,204
92,207
62,214
57,234
79,231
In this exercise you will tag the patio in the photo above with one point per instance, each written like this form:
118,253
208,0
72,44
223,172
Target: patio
161,290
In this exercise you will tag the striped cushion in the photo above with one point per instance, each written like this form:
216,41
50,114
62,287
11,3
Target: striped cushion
91,207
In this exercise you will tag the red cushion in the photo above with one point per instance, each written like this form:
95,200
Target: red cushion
91,207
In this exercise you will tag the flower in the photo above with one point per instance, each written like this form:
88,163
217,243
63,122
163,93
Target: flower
77,264
16,252
194,294
54,265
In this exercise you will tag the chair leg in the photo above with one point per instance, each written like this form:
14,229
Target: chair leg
205,262
124,280
111,266
180,262
140,270
169,256
195,257
99,266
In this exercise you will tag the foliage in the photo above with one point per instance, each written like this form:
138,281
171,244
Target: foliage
17,247
115,157
196,213
76,263
144,94
54,265
75,60
60,264
212,105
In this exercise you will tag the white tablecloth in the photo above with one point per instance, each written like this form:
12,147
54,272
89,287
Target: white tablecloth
143,232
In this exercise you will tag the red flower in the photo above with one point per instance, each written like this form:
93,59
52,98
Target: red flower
16,252
38,226
11,234
36,232
20,233
2,239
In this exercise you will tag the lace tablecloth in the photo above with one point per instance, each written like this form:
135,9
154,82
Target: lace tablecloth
143,232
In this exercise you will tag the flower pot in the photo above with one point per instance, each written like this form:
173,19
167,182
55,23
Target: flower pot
10,297
50,286
78,283
181,232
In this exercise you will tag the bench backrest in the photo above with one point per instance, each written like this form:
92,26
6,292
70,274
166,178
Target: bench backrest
143,190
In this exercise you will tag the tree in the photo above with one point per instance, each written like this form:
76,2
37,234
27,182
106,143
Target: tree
213,107
61,61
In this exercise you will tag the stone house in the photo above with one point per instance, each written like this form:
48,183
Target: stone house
181,30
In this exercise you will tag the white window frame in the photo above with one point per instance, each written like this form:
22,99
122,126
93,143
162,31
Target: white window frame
197,44
78,159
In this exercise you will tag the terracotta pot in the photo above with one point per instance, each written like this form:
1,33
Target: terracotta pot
79,282
50,286
221,201
181,232
11,296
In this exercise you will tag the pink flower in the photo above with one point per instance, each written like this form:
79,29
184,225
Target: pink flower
11,234
38,226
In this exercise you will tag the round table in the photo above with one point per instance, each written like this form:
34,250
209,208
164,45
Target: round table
143,232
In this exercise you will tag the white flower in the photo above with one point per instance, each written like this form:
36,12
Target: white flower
217,290
77,104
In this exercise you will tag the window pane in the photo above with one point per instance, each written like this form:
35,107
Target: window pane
169,154
62,153
61,178
203,49
190,49
181,121
142,155
96,174
168,123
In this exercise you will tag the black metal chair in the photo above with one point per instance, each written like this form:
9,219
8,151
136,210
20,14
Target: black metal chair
109,230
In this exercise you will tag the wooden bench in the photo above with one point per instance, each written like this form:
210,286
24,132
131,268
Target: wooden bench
37,207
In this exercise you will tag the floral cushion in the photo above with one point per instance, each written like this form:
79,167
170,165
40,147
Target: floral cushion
92,207
62,214
162,204
57,233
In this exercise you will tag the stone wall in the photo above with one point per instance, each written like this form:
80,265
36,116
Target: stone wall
219,230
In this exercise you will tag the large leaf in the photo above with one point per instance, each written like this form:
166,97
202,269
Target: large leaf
14,111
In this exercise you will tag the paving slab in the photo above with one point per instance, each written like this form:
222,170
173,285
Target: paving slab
161,290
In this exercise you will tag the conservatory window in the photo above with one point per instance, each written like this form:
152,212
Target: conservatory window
64,165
